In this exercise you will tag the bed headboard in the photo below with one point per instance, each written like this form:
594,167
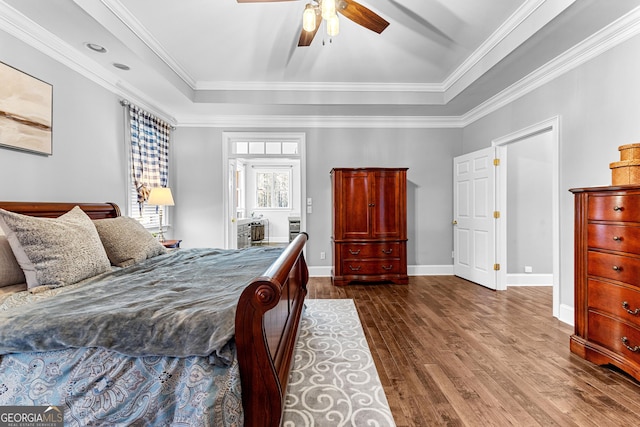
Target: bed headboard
55,209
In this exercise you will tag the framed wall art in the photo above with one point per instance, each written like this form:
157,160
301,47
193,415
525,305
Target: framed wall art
25,111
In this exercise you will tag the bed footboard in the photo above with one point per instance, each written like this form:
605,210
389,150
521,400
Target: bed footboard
267,320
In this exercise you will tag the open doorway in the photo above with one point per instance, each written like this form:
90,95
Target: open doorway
265,177
543,140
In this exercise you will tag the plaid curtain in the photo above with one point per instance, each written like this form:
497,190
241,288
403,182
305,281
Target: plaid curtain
149,152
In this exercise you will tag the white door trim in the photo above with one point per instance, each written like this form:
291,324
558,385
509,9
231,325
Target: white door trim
550,125
227,138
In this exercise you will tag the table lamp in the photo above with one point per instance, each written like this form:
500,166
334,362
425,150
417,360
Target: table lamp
160,196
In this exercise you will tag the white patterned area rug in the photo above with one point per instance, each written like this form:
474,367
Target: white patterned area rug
334,381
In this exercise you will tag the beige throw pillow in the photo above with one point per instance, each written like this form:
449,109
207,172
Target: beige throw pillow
10,271
55,252
126,241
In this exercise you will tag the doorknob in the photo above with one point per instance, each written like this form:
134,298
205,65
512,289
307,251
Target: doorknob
454,222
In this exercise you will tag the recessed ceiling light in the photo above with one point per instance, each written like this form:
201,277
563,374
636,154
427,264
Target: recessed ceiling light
96,47
121,66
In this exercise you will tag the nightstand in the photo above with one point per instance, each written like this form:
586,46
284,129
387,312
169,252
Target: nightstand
173,244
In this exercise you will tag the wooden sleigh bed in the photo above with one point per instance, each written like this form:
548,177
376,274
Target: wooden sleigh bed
267,316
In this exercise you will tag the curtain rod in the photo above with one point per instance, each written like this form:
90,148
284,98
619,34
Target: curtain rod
126,103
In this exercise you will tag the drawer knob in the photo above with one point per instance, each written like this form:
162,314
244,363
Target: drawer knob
617,268
387,267
352,268
635,312
617,208
352,252
388,251
635,348
617,238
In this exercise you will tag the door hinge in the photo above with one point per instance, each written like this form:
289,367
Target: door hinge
496,162
496,267
496,214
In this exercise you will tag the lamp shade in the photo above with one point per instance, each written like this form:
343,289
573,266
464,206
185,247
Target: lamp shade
161,196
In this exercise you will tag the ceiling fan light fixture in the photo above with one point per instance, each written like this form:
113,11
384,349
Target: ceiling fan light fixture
309,18
328,8
333,25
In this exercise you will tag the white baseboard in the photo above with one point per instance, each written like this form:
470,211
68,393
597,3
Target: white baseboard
529,280
412,270
566,314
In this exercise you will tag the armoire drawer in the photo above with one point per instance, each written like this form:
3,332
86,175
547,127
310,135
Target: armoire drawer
366,267
615,335
619,301
614,207
615,267
614,237
370,250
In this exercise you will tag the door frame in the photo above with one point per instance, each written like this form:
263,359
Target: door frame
228,138
550,125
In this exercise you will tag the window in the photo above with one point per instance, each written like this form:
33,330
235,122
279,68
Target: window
273,189
148,146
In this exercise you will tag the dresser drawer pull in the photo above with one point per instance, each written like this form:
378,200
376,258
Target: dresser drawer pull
617,238
617,208
387,267
355,268
635,348
617,268
635,312
354,252
388,251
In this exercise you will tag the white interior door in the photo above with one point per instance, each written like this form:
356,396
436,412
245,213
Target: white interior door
474,225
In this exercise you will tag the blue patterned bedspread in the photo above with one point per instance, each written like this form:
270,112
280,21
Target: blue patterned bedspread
149,344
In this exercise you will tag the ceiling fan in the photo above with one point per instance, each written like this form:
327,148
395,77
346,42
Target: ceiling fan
317,10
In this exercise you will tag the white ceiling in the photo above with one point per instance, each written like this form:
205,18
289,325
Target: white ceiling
192,60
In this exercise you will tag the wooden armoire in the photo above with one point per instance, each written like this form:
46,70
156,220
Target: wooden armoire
369,225
607,276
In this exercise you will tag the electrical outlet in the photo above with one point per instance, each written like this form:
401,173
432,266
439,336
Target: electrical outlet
528,269
323,255
309,209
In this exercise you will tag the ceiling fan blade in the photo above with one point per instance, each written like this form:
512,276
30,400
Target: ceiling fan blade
306,37
362,15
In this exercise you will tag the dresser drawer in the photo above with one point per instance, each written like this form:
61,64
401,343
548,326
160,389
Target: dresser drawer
370,250
615,267
378,267
609,333
614,207
617,300
614,237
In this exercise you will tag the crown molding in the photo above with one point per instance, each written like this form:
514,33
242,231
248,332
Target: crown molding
322,86
122,13
609,37
24,29
19,26
287,121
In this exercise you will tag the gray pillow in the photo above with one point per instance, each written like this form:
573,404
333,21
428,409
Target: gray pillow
126,241
10,271
55,252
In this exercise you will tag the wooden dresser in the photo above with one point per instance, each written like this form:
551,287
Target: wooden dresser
369,225
607,276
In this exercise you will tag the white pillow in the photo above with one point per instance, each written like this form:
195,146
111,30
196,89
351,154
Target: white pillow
55,252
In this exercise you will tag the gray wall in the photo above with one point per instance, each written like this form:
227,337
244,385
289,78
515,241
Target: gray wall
529,205
88,154
427,153
599,109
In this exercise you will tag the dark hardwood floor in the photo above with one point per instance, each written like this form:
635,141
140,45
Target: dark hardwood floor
453,353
